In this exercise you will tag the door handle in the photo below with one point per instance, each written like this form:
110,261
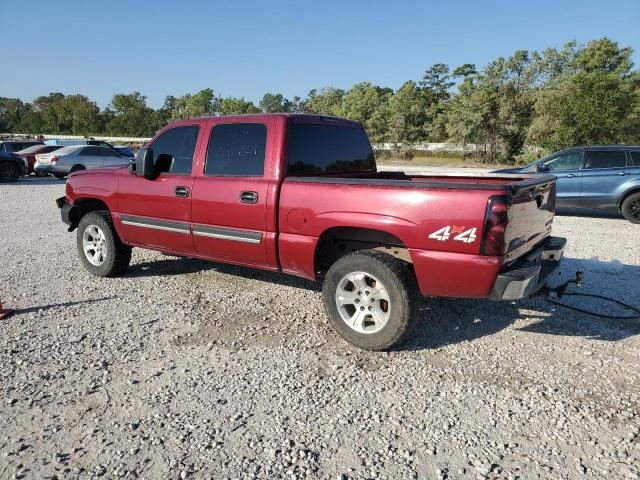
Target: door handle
571,175
182,192
249,197
623,174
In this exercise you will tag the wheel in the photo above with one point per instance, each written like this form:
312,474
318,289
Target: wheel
631,208
370,298
9,172
76,168
59,175
100,248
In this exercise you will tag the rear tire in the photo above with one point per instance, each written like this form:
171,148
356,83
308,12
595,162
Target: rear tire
59,175
371,299
631,208
9,172
102,252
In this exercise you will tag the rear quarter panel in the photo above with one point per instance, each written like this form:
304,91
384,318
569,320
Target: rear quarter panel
411,214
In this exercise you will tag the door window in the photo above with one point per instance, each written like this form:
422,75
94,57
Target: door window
635,158
237,149
180,143
566,161
90,152
107,152
606,159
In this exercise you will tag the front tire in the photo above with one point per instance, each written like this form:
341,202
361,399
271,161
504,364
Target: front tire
102,252
631,208
371,299
9,172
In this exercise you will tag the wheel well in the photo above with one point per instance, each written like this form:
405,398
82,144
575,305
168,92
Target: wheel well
82,206
626,194
77,166
339,241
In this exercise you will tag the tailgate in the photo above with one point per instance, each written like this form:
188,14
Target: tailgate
531,212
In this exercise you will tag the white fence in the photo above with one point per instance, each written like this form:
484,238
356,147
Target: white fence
80,137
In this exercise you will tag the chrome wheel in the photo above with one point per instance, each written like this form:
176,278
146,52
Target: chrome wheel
94,245
363,302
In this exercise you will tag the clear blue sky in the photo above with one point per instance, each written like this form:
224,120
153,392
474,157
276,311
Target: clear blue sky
247,48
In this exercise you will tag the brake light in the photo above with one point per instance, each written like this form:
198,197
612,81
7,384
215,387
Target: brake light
495,224
54,159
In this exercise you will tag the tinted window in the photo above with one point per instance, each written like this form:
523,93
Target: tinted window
237,149
566,161
107,152
90,152
635,158
180,143
329,148
606,159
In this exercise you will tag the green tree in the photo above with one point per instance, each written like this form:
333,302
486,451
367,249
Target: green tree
326,101
131,115
369,104
275,102
237,106
408,114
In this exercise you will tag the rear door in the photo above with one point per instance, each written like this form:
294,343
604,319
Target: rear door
604,171
566,167
89,157
111,158
157,213
230,194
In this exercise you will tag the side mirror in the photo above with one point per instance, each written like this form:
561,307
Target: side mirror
144,166
543,168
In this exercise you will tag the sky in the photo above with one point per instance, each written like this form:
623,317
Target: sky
247,48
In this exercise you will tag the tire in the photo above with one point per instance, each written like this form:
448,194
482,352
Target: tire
59,175
41,174
631,208
9,172
109,256
76,168
365,278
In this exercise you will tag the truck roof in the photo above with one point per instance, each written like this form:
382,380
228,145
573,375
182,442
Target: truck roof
295,117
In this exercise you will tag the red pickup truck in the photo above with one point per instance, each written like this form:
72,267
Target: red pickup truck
301,194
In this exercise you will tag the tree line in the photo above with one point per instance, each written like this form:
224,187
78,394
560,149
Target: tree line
511,109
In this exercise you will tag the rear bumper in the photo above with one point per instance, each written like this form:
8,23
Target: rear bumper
531,273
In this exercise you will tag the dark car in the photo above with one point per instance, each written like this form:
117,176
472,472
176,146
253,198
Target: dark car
29,154
12,146
596,177
12,166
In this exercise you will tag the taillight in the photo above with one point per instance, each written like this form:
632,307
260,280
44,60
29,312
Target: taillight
495,224
54,159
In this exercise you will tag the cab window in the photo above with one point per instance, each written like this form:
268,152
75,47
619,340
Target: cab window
180,143
237,149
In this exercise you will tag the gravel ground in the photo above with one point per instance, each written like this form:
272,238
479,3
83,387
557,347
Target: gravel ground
187,369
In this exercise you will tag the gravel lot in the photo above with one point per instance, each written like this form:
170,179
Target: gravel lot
186,369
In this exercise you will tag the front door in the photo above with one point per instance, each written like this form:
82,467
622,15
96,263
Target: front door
567,168
157,213
230,196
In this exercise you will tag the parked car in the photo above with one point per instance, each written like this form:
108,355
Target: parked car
29,154
121,149
597,177
301,194
12,146
77,157
12,166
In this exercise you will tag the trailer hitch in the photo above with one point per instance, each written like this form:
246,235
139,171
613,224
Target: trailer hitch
559,291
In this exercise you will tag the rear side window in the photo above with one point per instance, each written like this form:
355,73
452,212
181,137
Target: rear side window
180,143
317,149
635,158
90,152
237,149
107,152
606,159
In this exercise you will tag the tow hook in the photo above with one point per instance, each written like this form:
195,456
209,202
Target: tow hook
559,291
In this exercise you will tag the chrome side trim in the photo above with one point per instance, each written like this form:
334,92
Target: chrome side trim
227,234
155,224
